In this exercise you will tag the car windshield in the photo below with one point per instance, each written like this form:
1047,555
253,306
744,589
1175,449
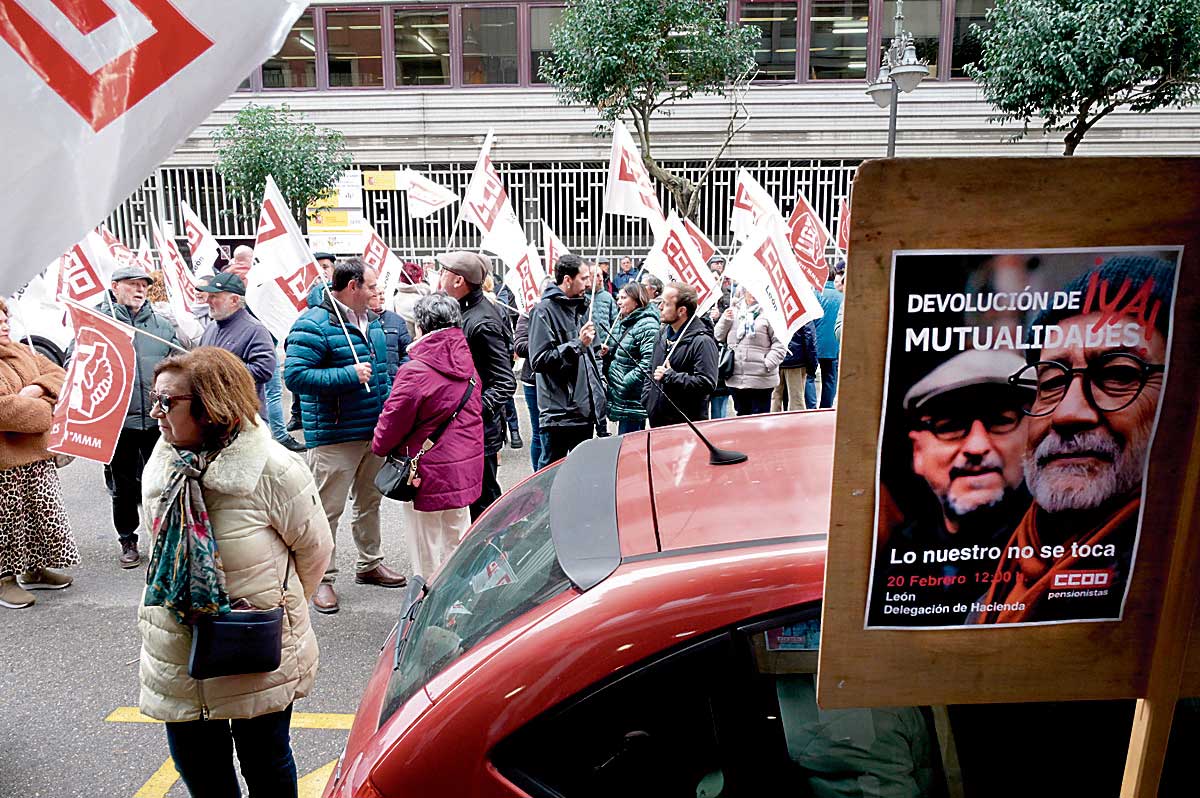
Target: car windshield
504,568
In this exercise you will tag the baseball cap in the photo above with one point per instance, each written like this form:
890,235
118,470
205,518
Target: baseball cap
470,266
131,273
973,368
225,281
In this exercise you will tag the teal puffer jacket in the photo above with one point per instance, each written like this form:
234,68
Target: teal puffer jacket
632,341
334,405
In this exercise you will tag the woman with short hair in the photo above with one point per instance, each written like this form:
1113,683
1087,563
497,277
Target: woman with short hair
237,524
426,392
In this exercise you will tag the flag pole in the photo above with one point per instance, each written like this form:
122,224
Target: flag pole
599,249
338,312
137,330
680,338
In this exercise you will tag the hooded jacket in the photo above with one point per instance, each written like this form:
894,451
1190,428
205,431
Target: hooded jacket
491,342
427,390
149,352
631,347
570,390
692,376
334,405
269,525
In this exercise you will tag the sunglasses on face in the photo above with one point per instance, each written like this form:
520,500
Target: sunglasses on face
165,401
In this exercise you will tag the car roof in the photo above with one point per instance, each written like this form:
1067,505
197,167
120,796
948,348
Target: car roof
782,490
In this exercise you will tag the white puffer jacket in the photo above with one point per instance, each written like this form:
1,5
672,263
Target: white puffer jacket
262,504
757,353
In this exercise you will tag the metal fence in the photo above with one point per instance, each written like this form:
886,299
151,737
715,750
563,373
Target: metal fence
567,195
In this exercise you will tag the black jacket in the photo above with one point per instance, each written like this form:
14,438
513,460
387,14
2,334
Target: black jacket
802,349
491,343
521,347
570,389
691,378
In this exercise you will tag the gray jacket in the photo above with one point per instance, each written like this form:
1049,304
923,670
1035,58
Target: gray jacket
149,352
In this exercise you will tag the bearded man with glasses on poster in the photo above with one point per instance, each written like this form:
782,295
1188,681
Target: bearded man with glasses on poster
1096,386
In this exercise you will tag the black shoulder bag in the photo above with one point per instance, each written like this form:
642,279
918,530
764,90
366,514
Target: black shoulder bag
240,641
398,478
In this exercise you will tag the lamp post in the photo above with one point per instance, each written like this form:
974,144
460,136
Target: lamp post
899,71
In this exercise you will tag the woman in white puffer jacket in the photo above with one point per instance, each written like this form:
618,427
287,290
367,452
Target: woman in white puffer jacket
757,353
235,517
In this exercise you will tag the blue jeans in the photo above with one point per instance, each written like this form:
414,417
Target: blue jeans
275,405
203,754
536,444
625,425
718,406
829,381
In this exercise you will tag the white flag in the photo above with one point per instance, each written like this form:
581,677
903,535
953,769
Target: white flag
525,279
284,269
96,95
487,206
180,284
379,256
767,268
120,254
143,257
629,191
553,246
85,271
425,197
200,242
751,202
675,257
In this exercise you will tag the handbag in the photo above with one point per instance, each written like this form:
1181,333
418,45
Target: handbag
240,641
398,478
725,363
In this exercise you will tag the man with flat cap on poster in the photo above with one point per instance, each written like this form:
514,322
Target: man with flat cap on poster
1097,381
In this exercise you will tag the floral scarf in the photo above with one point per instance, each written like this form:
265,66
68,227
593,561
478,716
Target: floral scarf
185,573
747,320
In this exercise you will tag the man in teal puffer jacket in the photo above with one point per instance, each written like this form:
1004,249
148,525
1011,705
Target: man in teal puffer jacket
342,396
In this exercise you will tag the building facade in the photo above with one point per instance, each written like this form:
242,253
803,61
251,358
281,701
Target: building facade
418,84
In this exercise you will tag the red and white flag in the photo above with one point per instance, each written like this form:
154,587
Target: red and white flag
284,269
143,257
675,257
425,197
488,207
629,191
200,242
553,247
96,392
526,278
180,284
808,236
751,202
97,93
704,245
121,254
767,268
85,271
843,227
379,256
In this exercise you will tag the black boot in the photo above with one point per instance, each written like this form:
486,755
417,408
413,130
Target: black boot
514,438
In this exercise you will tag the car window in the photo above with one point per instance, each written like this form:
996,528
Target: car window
505,567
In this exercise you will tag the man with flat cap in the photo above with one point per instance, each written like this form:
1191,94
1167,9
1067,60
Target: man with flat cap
1096,384
126,302
491,342
968,434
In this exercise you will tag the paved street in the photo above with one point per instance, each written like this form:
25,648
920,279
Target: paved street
68,672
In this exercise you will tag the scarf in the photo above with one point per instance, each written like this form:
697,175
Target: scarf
185,573
747,319
1033,576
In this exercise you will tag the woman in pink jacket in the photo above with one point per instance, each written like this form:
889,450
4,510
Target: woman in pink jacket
426,391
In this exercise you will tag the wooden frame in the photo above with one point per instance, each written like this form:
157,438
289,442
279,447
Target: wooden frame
1020,203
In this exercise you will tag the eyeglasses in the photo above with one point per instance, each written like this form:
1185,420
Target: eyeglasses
1110,382
956,428
163,400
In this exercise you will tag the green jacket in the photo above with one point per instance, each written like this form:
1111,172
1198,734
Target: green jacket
632,341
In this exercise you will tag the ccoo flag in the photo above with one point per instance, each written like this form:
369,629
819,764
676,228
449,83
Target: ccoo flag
526,278
284,269
95,395
766,267
843,227
554,247
751,202
629,191
675,257
379,256
425,197
488,207
180,285
200,242
808,236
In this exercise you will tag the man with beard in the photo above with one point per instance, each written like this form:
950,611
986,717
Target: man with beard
968,434
1098,379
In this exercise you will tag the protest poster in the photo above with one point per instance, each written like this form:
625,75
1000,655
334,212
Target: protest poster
1022,392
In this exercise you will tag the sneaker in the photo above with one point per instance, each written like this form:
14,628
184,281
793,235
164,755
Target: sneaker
43,579
13,595
294,424
130,558
291,444
514,439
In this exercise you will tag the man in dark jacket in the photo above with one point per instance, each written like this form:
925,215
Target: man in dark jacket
570,392
395,332
235,330
685,361
490,339
123,475
336,359
801,360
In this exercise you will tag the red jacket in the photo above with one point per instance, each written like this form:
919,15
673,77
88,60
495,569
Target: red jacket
425,392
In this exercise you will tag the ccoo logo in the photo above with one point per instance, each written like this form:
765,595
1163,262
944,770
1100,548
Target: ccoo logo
102,57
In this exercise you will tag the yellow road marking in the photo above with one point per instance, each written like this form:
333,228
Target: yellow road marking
161,782
300,720
312,785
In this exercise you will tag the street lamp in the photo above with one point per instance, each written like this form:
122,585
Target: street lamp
899,71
